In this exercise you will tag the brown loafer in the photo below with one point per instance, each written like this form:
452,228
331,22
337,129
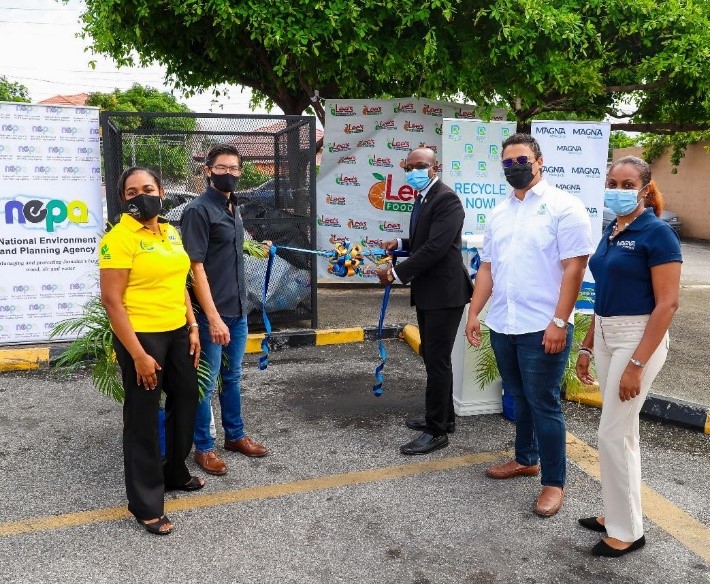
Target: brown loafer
247,446
549,501
210,463
511,469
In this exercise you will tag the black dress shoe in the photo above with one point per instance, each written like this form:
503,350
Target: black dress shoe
592,523
605,550
420,425
424,443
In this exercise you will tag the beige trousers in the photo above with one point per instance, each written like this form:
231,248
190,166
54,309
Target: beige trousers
615,340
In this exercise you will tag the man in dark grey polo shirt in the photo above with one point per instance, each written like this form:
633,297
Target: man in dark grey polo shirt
213,235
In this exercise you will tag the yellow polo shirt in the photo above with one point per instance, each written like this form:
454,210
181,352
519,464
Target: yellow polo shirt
155,295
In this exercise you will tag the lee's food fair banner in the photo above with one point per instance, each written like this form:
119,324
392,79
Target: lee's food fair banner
50,216
575,157
361,191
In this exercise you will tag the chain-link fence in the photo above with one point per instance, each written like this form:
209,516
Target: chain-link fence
276,189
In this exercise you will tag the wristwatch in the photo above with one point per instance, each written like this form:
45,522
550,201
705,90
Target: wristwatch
637,363
558,322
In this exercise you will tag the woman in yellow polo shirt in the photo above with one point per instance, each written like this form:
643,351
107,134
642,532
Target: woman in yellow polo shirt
143,273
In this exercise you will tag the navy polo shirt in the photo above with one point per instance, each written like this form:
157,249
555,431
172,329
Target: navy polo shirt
214,237
622,267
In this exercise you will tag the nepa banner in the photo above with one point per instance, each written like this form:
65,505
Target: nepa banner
575,158
362,196
50,216
471,166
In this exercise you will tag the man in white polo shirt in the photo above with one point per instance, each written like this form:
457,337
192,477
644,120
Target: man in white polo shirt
534,256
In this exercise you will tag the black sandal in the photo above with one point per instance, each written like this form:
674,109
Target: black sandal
194,484
155,526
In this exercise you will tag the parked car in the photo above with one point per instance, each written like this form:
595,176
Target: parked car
668,216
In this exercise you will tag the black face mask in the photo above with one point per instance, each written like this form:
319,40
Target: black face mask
519,175
225,183
144,207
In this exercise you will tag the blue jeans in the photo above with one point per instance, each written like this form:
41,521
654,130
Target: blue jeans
533,378
230,398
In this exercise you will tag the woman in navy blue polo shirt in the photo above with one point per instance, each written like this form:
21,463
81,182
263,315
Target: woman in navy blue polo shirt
636,270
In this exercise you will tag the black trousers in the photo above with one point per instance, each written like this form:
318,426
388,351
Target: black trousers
437,331
146,474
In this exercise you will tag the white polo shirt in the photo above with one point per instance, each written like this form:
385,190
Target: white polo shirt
525,242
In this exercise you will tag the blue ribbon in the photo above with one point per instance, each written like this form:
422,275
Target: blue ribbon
379,375
264,359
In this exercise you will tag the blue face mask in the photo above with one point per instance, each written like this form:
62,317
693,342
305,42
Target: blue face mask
621,201
418,178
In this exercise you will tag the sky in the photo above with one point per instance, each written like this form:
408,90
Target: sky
39,49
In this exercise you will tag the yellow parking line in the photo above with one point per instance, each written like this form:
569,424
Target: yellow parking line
682,526
251,494
338,336
23,359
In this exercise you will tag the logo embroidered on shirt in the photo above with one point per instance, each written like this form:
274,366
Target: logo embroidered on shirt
105,252
146,245
542,209
630,245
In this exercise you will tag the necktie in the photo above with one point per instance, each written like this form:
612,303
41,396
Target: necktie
415,212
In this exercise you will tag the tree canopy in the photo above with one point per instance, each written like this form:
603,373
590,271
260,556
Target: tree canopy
13,91
641,61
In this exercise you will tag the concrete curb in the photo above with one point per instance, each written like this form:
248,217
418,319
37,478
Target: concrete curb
663,408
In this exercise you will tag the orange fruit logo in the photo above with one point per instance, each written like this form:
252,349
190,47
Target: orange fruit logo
376,194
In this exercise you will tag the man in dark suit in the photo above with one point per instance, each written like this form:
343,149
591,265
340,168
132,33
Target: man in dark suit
440,288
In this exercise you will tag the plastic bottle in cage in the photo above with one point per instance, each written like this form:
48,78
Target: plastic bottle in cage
475,263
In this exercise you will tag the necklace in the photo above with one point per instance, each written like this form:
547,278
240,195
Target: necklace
619,227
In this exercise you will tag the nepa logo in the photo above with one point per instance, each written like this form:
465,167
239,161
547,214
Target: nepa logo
52,109
381,196
463,114
11,128
558,132
342,147
342,110
347,160
353,128
387,125
8,308
94,131
51,287
366,143
348,181
378,161
337,238
71,169
43,169
173,237
353,224
24,327
413,127
65,305
390,227
83,150
375,110
569,148
22,289
428,110
588,132
554,170
398,145
586,170
331,200
56,150
14,169
41,129
23,108
570,188
26,149
71,130
328,221
36,307
82,111
405,108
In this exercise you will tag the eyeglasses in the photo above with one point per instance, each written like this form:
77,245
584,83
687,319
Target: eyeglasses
417,165
508,162
221,169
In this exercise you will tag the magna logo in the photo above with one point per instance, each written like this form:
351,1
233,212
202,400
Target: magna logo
586,170
388,125
589,132
554,170
353,224
53,213
570,149
413,127
377,161
332,200
398,145
335,147
405,108
571,188
427,110
381,196
558,132
354,128
342,110
375,110
328,221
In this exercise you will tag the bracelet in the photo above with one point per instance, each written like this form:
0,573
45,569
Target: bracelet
586,351
637,363
193,325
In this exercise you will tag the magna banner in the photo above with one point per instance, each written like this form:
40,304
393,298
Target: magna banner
361,193
50,216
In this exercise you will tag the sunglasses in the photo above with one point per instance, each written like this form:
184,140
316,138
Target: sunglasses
508,162
418,166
